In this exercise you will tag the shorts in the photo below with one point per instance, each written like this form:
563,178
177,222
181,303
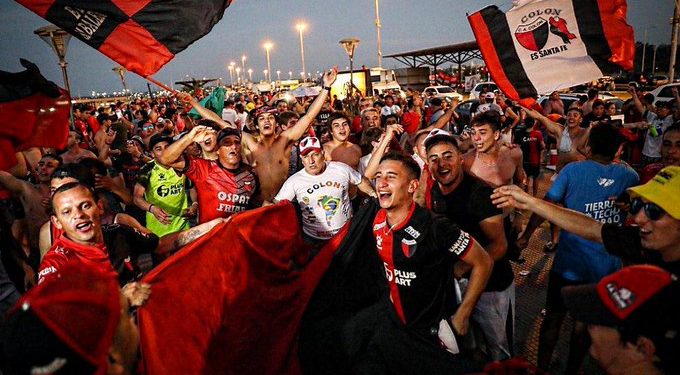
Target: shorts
553,301
11,209
532,171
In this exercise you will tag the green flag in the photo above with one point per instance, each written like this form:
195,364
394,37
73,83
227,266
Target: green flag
214,102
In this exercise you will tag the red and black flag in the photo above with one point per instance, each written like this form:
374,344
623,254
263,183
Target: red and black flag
35,113
141,35
541,46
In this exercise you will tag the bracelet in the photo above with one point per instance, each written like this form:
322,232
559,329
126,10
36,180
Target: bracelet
326,88
150,207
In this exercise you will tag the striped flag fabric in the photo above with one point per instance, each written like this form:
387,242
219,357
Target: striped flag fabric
540,46
141,35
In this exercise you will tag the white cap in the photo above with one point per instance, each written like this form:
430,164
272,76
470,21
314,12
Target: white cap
309,144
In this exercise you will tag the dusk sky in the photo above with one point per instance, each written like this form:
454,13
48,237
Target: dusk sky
407,25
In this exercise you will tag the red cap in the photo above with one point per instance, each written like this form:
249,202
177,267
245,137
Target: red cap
309,144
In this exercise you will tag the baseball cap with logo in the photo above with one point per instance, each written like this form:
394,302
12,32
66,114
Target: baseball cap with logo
435,132
641,299
490,95
309,144
64,325
662,190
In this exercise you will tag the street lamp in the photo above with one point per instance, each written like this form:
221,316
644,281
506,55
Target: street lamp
231,72
278,75
121,73
378,26
266,71
268,46
243,64
350,44
290,75
58,40
301,27
238,74
250,75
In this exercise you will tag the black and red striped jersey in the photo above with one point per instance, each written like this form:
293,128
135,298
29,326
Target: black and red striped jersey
418,256
221,192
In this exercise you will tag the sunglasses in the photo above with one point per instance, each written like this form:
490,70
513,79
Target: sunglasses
652,211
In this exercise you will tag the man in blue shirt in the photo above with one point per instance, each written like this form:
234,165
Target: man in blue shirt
591,187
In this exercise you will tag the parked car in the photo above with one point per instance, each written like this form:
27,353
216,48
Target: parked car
491,87
442,92
664,92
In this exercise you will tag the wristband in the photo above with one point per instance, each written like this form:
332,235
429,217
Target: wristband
150,207
327,88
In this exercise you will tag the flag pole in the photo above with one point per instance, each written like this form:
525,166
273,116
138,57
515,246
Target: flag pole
161,85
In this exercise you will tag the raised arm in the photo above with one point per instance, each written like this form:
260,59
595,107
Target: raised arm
296,132
572,221
636,100
374,161
366,187
172,154
11,183
204,112
446,117
172,242
553,128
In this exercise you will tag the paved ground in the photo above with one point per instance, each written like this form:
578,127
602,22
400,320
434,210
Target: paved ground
531,290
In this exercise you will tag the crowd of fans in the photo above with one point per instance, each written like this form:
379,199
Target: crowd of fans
141,179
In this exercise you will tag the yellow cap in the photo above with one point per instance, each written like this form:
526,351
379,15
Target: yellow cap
663,190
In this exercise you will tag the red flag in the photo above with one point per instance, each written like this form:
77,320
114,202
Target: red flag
141,35
35,111
232,302
541,46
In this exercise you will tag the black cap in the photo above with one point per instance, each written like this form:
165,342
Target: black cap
157,138
227,132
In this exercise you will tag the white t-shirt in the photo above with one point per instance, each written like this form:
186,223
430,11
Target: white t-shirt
229,114
323,198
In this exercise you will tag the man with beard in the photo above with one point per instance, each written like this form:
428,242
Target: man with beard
340,148
466,201
34,198
270,152
224,186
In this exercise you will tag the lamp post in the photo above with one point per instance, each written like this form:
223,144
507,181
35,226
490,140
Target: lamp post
266,72
301,27
350,44
243,65
378,26
278,75
290,75
238,75
121,73
231,72
268,46
250,75
57,39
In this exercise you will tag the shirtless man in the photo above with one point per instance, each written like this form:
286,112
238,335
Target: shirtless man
571,139
489,160
340,148
269,154
74,153
33,197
